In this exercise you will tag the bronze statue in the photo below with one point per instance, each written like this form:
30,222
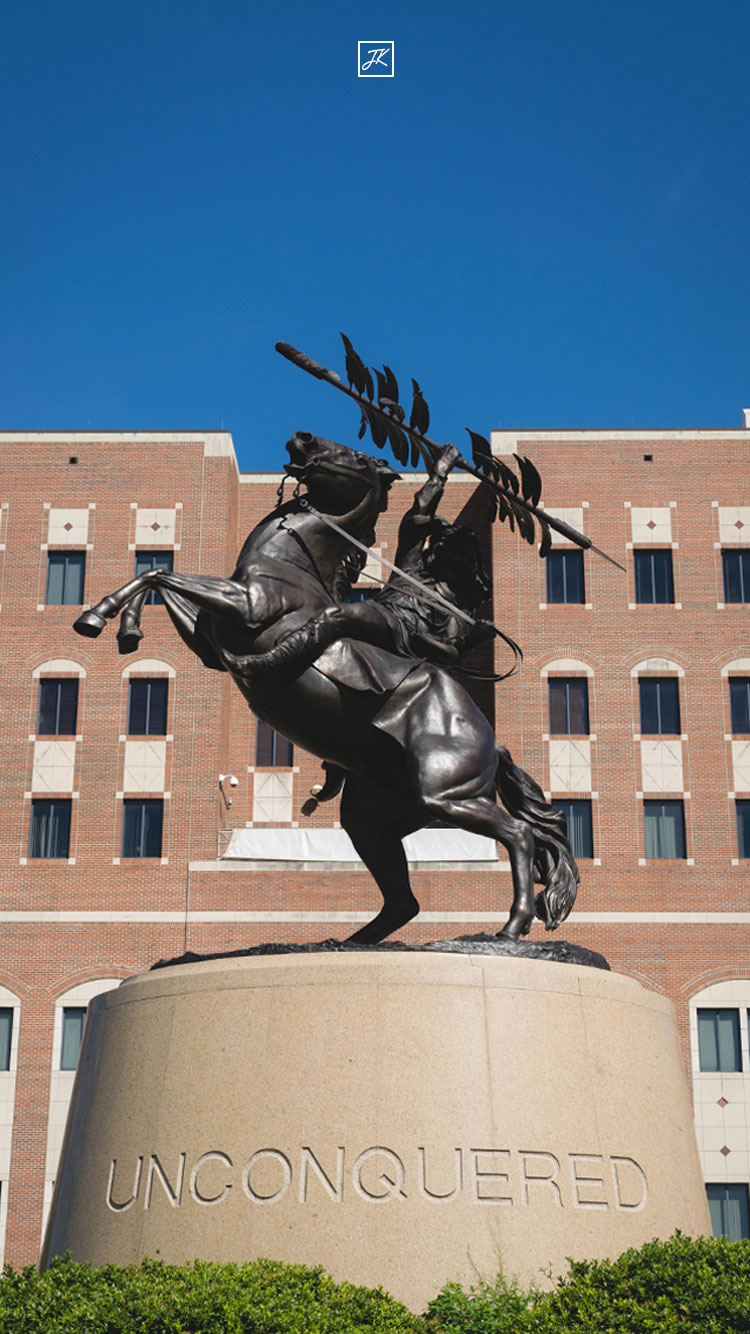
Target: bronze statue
412,743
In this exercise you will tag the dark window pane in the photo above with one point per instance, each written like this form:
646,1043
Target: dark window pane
653,576
739,704
142,827
664,823
147,706
728,1207
362,594
568,706
578,819
153,560
660,705
73,1023
564,575
49,830
719,1041
736,570
271,748
58,707
6,1033
65,576
743,829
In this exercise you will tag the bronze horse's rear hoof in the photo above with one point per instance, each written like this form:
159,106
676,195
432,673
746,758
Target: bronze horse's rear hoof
90,624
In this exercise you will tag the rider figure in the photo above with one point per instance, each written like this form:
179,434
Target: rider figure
445,558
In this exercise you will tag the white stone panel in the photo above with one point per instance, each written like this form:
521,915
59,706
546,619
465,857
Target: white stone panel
154,527
570,765
734,525
54,765
373,569
662,665
144,768
651,525
58,667
566,667
334,845
573,516
741,765
661,766
68,527
272,798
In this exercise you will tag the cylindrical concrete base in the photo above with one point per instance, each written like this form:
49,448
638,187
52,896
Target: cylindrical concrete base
402,1119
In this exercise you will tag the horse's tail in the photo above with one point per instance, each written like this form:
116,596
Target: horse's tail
554,863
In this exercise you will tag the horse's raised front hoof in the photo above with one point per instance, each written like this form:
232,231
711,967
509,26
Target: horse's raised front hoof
90,624
128,640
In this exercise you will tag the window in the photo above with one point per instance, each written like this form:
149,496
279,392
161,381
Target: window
569,706
6,1033
654,581
578,819
739,704
153,560
73,1023
742,811
147,706
736,569
65,575
660,705
664,823
565,576
728,1207
719,1041
142,827
362,594
271,748
49,830
58,707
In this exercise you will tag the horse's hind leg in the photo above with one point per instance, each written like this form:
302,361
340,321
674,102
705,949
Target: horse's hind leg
481,815
377,840
454,782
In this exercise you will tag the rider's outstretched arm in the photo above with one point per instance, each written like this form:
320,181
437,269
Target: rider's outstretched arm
418,521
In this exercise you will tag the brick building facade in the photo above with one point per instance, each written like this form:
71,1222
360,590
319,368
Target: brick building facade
119,847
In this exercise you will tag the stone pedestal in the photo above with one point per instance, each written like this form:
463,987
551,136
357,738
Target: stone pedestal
402,1119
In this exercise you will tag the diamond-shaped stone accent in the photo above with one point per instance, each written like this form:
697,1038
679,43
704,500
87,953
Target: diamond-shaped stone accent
67,527
156,526
725,1151
739,524
651,524
723,1102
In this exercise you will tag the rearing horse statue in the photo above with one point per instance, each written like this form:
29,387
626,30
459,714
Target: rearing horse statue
414,746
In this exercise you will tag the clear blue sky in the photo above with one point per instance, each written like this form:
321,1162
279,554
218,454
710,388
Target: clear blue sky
544,216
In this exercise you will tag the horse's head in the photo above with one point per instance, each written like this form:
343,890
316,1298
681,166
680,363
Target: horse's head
338,478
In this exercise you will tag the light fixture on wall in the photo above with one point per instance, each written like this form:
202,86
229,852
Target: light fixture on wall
232,781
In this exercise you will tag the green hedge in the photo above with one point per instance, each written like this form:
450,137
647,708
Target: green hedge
262,1297
680,1286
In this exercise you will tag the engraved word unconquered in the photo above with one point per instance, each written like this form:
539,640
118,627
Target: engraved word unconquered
379,1175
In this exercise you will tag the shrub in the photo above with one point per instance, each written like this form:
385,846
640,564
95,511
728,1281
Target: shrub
680,1286
491,1308
260,1297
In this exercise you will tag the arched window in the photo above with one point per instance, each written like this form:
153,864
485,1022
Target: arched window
69,1025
